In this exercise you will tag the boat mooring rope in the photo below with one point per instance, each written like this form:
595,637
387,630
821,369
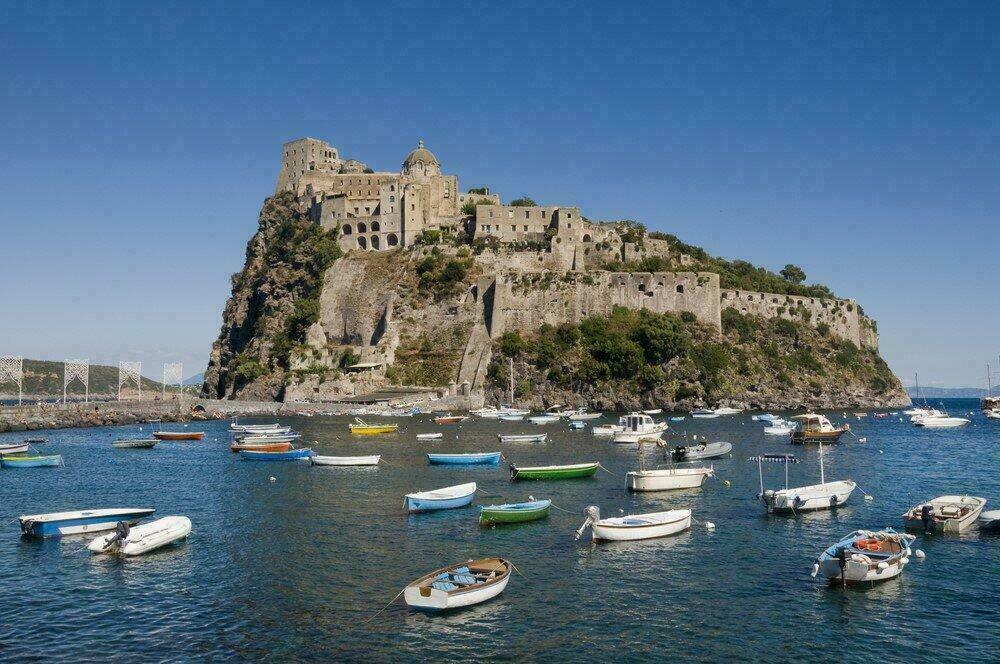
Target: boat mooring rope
382,610
601,466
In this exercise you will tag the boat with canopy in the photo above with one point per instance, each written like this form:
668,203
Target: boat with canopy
817,429
822,496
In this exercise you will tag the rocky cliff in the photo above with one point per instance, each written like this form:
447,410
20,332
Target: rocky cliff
305,323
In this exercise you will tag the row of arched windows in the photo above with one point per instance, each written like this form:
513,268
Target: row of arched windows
391,240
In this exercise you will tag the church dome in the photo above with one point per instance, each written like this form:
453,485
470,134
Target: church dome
420,155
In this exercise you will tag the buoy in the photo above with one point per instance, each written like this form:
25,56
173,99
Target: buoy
868,496
709,525
815,570
273,478
726,483
919,553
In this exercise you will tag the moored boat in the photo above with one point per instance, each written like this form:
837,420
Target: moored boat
430,436
464,584
653,411
263,438
31,461
566,472
638,426
583,414
697,451
19,448
55,524
667,479
634,526
288,455
470,459
371,460
704,413
523,438
362,428
447,498
235,427
822,496
544,419
532,510
450,419
135,443
178,435
137,540
944,514
817,429
989,522
865,556
260,447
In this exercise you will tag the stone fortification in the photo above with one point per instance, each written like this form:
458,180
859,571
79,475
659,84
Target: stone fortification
526,301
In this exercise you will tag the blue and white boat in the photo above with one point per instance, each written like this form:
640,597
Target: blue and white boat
56,524
22,461
766,417
473,459
441,499
677,419
290,455
577,424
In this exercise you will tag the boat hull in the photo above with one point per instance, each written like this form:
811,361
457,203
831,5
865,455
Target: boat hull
554,472
697,452
145,538
624,529
415,505
808,498
523,438
489,458
261,447
48,461
291,455
436,600
13,449
371,460
135,444
372,430
801,437
667,479
959,523
76,523
178,435
515,513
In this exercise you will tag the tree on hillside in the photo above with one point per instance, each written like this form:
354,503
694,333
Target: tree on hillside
793,273
523,201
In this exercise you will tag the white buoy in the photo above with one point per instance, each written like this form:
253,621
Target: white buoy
709,525
815,570
919,553
868,496
273,478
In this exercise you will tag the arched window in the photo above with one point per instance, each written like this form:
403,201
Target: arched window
375,242
362,227
347,229
680,288
362,242
376,226
392,199
587,238
392,240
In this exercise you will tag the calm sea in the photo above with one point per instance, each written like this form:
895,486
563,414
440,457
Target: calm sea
298,568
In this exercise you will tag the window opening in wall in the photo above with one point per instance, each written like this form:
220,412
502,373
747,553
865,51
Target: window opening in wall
680,288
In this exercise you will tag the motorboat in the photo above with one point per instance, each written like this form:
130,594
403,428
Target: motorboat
469,459
943,421
447,498
766,417
696,451
944,514
544,419
609,429
522,437
726,410
450,419
137,540
56,524
927,412
576,425
634,526
779,428
817,429
993,414
989,521
135,443
638,426
370,460
532,510
583,414
510,417
917,411
463,584
865,556
822,496
704,414
652,411
430,436
667,479
488,413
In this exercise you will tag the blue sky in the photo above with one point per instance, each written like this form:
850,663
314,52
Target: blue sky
863,143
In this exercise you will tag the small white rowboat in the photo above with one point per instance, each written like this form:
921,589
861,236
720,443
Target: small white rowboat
371,460
667,479
634,526
459,585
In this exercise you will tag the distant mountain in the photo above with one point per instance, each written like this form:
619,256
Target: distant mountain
196,379
947,392
45,378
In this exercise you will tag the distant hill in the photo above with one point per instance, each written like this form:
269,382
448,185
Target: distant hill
45,378
947,392
195,380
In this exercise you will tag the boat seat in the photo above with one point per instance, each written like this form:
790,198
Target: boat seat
444,585
464,579
460,570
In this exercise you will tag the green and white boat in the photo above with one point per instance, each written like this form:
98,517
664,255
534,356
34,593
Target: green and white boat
571,471
514,512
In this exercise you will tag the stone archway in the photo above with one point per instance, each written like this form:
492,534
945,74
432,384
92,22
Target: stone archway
346,230
391,240
362,227
362,242
376,226
375,242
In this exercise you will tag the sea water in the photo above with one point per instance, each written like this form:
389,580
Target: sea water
300,567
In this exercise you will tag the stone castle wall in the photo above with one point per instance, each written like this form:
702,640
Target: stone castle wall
843,316
526,301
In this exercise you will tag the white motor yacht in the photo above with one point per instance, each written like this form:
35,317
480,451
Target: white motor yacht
638,426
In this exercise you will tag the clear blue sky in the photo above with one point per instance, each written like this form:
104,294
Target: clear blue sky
138,141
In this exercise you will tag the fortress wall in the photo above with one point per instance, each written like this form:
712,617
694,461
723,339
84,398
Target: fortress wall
842,316
869,333
525,302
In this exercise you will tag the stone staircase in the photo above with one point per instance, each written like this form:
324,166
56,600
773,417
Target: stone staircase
476,359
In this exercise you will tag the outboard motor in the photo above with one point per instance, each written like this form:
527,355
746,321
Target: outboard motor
121,534
593,514
925,517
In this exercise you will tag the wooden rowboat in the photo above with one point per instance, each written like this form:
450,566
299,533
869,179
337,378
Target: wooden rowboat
514,512
464,584
13,449
447,498
450,419
371,460
523,437
24,461
571,471
260,447
290,455
480,458
362,428
178,435
136,444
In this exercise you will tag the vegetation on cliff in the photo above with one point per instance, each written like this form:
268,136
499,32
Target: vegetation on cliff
275,299
641,358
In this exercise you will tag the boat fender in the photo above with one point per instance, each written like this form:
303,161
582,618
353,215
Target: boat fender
920,554
882,566
709,525
815,570
908,551
904,560
272,478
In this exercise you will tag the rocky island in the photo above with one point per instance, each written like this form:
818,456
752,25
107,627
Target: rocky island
361,283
